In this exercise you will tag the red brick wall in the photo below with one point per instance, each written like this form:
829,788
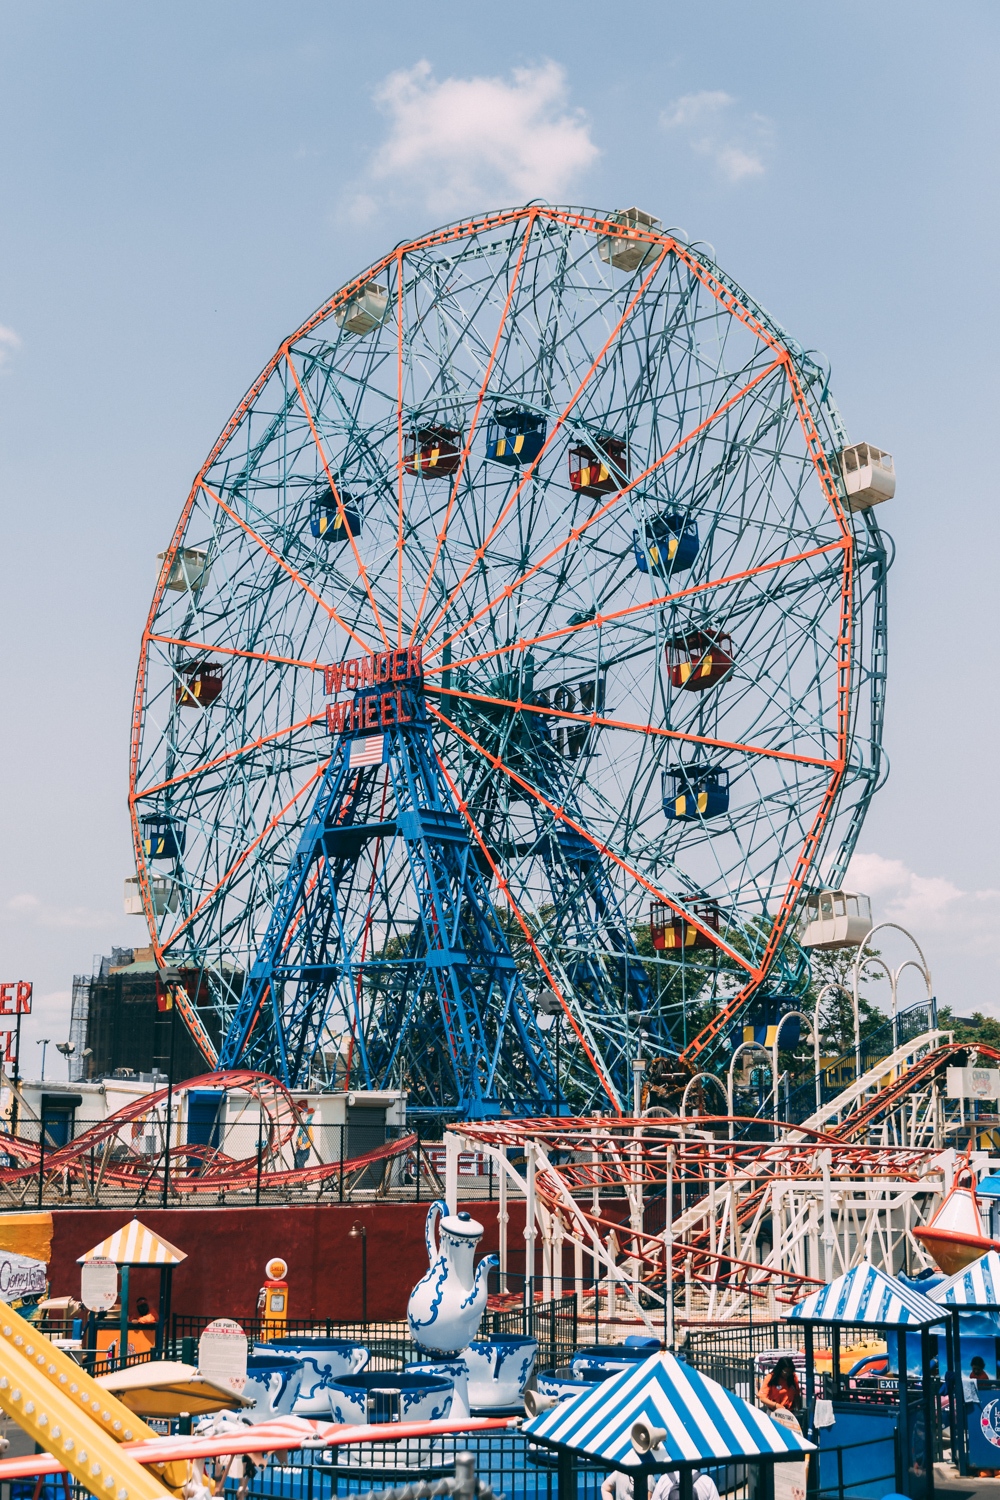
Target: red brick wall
227,1249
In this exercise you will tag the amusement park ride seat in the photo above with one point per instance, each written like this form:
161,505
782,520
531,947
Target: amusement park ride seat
365,310
162,888
189,569
589,473
328,522
162,838
668,931
699,660
514,436
835,919
671,545
200,685
869,475
695,792
432,452
629,254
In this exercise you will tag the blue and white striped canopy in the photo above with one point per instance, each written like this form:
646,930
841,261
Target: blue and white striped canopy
867,1296
977,1286
705,1424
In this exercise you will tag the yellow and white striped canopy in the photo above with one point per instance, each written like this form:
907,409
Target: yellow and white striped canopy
135,1245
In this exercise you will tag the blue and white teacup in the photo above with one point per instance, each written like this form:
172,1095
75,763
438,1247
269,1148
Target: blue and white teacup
385,1396
323,1361
598,1360
499,1370
272,1383
457,1371
561,1384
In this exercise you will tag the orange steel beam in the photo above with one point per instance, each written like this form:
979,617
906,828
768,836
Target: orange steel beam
529,472
601,620
329,610
564,817
244,855
281,661
473,425
648,729
577,531
463,808
362,570
209,765
400,541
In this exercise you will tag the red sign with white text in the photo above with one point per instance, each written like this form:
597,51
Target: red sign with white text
370,709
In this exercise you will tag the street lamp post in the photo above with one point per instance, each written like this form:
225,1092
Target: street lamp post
549,1004
43,1042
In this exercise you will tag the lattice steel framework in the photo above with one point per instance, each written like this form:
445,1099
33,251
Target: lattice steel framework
554,604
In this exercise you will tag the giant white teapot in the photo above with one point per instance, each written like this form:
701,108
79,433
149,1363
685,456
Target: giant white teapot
447,1304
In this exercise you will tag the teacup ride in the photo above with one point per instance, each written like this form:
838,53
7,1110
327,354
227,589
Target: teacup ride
323,1361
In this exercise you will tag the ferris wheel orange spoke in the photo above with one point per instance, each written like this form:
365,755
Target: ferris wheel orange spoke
596,721
362,570
400,541
509,898
297,577
473,425
610,616
530,469
220,760
564,817
244,855
578,531
281,661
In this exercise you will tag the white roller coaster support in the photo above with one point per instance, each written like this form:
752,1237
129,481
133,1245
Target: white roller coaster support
904,1056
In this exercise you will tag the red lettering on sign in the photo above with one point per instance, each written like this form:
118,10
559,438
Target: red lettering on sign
24,997
9,1054
333,677
352,674
367,673
401,718
399,666
7,999
357,714
414,662
336,713
386,704
371,713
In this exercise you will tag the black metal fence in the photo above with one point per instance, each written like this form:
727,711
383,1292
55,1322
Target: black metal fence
553,1324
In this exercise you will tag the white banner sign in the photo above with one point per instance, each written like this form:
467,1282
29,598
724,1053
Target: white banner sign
20,1276
973,1083
99,1284
222,1354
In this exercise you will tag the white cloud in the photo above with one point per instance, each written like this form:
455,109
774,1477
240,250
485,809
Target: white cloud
928,903
715,129
27,908
458,143
10,342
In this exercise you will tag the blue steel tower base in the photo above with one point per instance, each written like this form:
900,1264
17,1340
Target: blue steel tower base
384,946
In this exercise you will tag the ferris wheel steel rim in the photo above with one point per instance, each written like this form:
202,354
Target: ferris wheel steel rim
427,618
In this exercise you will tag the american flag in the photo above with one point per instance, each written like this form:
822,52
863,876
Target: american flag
367,752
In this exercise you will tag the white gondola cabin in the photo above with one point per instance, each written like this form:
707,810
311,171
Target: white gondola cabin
162,888
189,569
624,252
364,311
869,476
835,919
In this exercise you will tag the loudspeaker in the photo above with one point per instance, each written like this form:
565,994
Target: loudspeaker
535,1403
646,1438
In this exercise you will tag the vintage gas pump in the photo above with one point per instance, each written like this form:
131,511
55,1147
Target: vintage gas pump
272,1301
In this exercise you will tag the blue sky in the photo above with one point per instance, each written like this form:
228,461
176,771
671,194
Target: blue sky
182,184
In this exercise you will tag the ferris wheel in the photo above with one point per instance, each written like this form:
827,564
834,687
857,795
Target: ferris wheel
516,643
